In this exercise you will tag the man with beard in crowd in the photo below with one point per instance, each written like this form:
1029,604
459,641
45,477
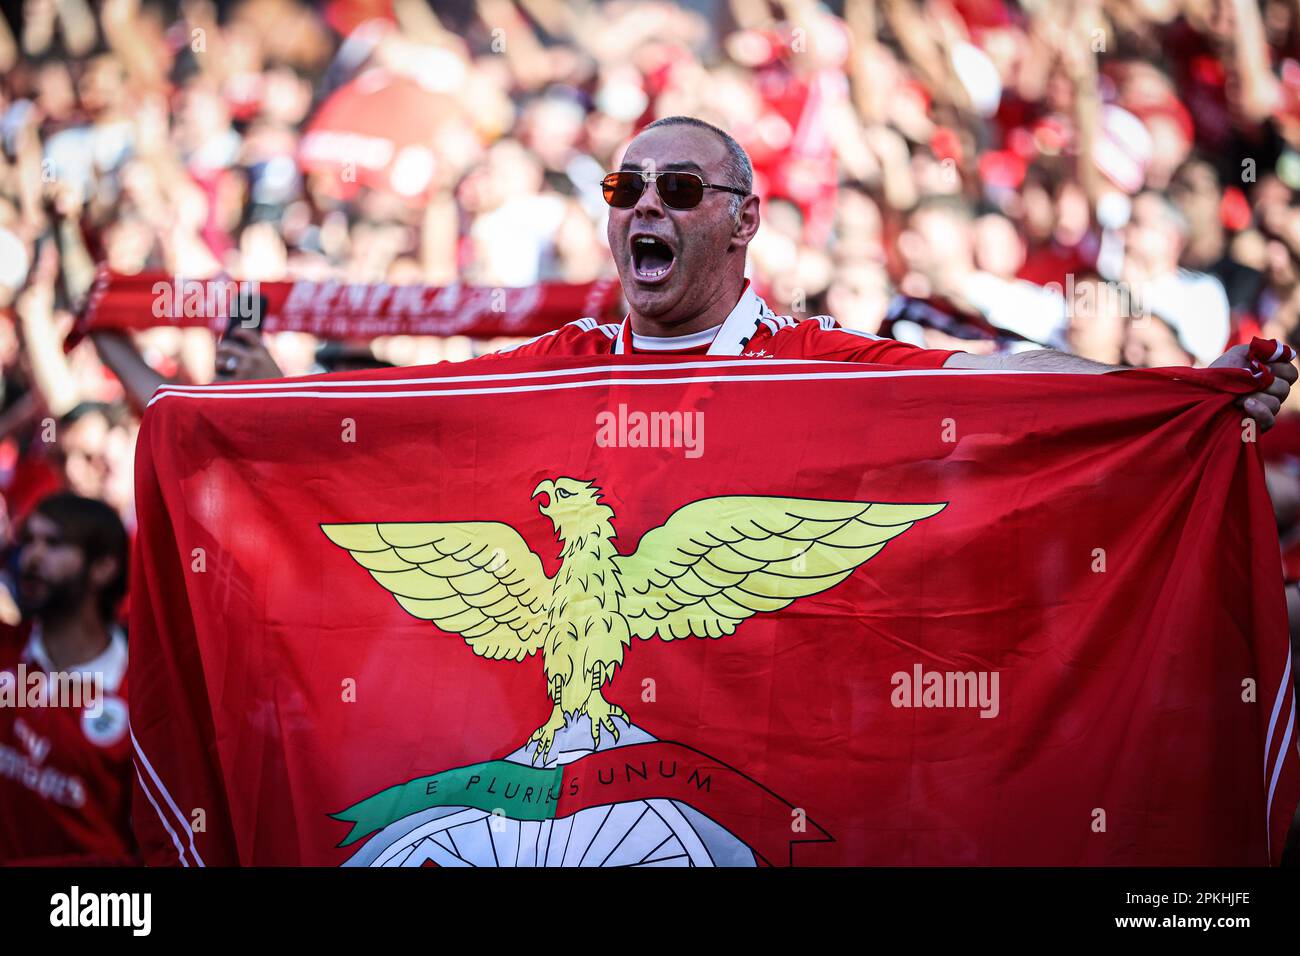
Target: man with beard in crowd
65,745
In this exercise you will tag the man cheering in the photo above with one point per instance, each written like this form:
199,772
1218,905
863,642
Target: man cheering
682,215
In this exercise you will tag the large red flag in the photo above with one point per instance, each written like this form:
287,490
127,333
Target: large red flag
709,612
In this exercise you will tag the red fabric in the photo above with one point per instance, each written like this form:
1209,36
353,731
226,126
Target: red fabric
1282,441
807,339
1245,327
1054,262
346,15
981,15
1234,209
1120,685
376,131
1291,563
342,311
34,478
1002,169
66,798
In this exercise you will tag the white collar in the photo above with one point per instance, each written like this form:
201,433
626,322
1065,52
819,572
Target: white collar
663,343
110,665
730,337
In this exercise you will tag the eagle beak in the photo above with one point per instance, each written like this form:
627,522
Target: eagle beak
547,488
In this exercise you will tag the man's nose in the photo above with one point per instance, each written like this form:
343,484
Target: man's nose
649,203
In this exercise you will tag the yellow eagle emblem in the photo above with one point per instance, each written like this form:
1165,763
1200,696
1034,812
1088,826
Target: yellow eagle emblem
714,563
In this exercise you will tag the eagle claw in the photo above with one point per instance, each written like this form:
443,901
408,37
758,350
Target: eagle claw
602,714
544,736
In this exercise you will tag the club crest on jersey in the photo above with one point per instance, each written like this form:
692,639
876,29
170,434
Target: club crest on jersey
107,726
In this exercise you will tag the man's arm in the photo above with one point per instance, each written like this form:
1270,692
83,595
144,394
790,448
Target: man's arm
139,379
1261,406
241,356
1038,360
42,339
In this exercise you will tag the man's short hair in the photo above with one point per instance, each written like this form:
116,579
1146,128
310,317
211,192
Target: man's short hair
739,170
94,528
85,410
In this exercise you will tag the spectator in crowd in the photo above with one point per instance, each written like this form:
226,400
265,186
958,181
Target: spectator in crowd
1098,320
939,247
1192,304
65,751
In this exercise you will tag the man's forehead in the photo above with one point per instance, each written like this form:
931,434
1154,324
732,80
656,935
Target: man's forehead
674,165
38,523
681,148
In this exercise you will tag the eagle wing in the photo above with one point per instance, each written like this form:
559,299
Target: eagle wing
477,579
717,561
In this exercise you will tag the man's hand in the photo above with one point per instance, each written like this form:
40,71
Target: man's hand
241,356
1263,405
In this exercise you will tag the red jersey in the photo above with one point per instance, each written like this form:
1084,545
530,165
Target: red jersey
65,768
752,330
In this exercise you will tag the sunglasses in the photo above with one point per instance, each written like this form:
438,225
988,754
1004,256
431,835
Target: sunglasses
677,190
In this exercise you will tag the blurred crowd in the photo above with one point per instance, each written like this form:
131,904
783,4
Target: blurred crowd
1112,177
1115,178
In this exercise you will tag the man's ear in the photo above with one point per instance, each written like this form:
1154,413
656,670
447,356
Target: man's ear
746,222
103,570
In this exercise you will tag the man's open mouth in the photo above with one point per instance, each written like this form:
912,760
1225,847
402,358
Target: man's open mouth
652,258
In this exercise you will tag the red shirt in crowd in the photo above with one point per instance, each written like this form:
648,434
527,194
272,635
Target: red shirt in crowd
65,771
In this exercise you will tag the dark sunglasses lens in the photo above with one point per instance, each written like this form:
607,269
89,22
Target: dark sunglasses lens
622,190
680,190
